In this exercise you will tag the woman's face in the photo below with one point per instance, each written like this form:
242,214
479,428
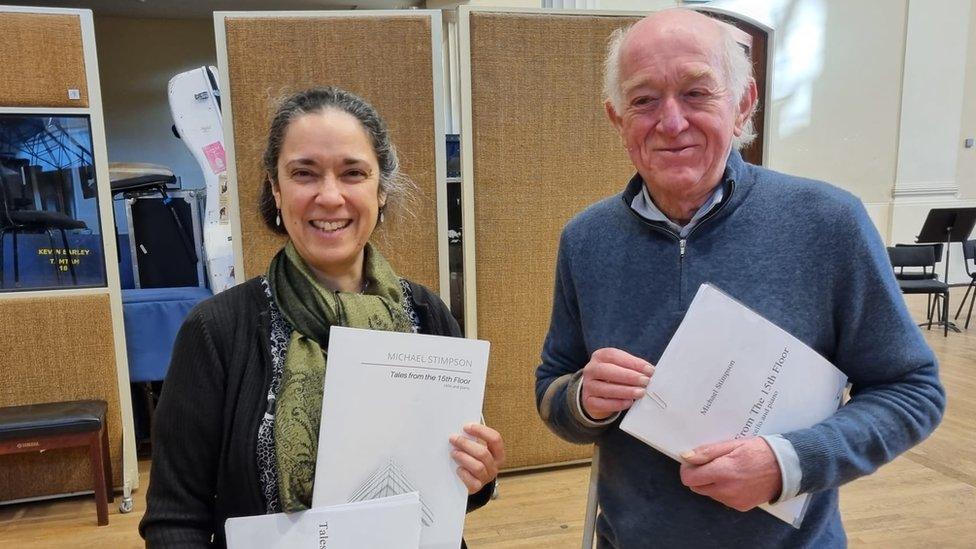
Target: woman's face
328,191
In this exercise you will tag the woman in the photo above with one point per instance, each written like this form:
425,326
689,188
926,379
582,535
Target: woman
237,426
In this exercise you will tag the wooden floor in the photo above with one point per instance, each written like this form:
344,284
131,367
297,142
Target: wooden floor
925,498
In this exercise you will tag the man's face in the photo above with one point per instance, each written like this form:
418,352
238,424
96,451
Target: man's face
677,116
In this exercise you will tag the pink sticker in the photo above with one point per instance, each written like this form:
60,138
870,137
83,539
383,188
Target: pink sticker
216,156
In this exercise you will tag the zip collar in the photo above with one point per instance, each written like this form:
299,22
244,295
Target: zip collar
734,166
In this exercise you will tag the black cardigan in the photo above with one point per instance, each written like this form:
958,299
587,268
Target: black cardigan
204,465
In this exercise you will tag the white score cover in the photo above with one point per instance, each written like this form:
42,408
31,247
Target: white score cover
388,523
391,402
729,373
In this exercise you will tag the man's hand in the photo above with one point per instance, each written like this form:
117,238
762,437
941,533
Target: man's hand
612,381
740,474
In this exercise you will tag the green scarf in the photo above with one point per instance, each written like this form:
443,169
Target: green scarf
312,310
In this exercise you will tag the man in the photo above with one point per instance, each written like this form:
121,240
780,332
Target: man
801,253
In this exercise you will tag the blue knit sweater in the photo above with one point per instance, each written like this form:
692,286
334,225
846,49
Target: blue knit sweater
803,254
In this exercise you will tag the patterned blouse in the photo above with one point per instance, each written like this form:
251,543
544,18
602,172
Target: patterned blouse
280,334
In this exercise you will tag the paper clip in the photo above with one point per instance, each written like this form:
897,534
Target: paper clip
656,399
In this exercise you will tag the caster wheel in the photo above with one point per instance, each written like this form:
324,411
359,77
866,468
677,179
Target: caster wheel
126,505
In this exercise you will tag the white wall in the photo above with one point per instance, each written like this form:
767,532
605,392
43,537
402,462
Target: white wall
869,95
932,107
966,163
836,89
932,95
136,59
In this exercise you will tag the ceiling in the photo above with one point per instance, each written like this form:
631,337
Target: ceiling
200,9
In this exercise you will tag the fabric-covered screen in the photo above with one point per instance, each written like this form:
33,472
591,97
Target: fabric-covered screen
57,349
543,150
43,59
384,59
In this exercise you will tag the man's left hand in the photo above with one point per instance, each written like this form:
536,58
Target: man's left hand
740,474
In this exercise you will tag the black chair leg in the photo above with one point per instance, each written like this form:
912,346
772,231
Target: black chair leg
67,251
57,264
150,406
186,237
961,303
945,315
16,262
933,309
115,223
972,299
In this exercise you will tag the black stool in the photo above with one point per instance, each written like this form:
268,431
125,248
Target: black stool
130,179
40,427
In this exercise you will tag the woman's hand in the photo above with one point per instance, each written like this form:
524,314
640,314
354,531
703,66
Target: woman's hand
478,459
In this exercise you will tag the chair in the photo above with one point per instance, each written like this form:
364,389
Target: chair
969,252
915,275
924,274
43,427
15,221
924,257
132,178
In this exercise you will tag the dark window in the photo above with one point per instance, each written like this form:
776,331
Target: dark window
50,235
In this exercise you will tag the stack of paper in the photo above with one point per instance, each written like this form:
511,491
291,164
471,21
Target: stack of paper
391,403
729,373
349,526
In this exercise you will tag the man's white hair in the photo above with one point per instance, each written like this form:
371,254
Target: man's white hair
736,66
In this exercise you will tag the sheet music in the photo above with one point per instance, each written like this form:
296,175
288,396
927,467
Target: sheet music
729,373
391,402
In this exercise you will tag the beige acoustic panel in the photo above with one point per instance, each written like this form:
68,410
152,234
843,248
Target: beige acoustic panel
42,58
57,349
543,150
387,61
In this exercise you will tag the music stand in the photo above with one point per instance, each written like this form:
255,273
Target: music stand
947,225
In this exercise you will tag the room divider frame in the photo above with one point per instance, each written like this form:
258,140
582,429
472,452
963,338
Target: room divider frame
112,288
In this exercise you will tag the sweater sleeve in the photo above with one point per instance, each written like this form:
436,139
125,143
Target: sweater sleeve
563,357
186,443
897,399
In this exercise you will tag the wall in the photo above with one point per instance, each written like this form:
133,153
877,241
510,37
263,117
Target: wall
836,92
932,95
966,163
870,96
931,121
136,59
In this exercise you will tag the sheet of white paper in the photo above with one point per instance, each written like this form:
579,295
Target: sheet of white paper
391,403
348,526
729,373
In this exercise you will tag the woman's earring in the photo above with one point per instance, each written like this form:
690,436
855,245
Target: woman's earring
381,213
278,218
